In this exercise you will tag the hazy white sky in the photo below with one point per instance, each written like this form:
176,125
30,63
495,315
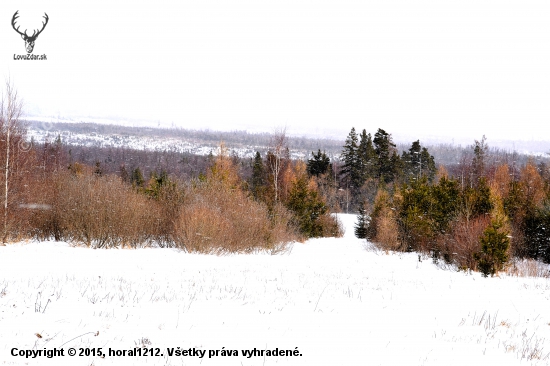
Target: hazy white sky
440,68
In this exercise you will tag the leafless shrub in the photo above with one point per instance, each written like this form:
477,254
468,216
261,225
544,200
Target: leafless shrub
98,211
332,227
463,241
215,219
387,233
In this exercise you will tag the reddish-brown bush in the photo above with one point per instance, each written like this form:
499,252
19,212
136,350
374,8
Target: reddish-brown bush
218,219
463,241
97,211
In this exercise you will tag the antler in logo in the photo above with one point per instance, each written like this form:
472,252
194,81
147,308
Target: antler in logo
29,40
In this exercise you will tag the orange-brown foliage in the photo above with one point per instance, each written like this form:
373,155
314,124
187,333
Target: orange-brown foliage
533,185
500,184
215,219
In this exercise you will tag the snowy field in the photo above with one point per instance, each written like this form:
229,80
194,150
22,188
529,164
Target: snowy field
337,301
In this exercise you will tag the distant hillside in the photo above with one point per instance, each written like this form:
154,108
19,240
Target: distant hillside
200,142
243,143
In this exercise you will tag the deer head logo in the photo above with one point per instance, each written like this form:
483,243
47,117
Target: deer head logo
29,40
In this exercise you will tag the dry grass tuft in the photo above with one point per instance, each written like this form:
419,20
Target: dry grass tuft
528,268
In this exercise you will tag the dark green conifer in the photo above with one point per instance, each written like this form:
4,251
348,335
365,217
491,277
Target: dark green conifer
137,178
384,149
157,183
361,226
445,203
318,164
494,249
537,234
418,162
366,156
307,207
258,181
478,162
351,169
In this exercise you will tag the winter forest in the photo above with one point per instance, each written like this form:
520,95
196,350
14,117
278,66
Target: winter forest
477,212
381,255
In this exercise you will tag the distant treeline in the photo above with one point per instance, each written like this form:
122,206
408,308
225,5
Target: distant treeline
444,153
235,139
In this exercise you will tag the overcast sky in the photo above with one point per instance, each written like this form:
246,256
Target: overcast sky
425,68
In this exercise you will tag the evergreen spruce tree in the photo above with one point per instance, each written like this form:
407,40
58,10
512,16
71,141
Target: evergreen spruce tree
307,207
396,171
156,184
536,227
494,249
366,156
351,169
258,181
445,203
319,164
361,226
414,214
137,178
514,202
411,161
427,162
418,162
476,201
384,149
482,203
478,162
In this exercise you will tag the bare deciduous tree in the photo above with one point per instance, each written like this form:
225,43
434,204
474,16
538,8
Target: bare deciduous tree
12,134
278,151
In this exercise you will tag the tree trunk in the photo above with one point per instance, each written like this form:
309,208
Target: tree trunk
5,236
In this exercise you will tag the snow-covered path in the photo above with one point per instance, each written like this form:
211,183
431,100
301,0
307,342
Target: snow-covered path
338,302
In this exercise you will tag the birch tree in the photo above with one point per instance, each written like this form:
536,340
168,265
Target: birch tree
276,158
12,141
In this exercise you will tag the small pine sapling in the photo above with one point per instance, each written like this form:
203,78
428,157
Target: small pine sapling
361,226
494,249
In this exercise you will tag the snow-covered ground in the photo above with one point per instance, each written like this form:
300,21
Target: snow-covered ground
338,301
